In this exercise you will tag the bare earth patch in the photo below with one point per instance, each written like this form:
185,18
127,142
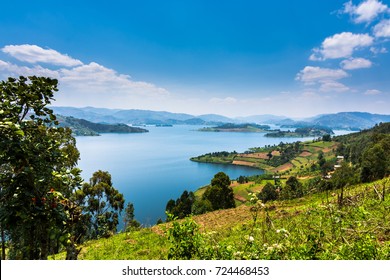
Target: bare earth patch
305,154
284,167
255,155
239,198
245,163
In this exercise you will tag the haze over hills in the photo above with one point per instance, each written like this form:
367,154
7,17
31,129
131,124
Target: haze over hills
342,120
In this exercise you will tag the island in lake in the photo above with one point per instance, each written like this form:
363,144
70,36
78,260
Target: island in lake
310,131
230,127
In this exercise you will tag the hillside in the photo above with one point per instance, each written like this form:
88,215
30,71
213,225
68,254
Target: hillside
312,227
302,158
297,157
82,127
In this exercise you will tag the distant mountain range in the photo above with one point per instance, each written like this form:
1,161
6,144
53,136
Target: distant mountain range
343,120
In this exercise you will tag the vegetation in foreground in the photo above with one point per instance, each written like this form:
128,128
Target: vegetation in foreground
317,226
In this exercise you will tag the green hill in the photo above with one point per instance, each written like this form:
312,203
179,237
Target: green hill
311,227
81,127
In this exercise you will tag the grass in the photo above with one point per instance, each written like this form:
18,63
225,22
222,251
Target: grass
311,227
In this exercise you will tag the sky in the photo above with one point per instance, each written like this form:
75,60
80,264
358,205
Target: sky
235,58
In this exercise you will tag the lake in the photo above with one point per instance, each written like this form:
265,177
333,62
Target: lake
151,168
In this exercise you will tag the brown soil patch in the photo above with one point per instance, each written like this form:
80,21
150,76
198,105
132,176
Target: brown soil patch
215,220
284,167
245,163
259,155
305,154
240,198
255,155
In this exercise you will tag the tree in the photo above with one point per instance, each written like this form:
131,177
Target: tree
37,163
268,193
219,193
292,189
201,206
375,161
327,138
342,177
182,206
242,179
103,204
129,221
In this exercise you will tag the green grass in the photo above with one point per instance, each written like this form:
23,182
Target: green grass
311,227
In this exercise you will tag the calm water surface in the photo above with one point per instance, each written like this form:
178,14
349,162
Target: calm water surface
151,168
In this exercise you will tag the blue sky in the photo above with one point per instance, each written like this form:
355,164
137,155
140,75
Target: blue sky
235,58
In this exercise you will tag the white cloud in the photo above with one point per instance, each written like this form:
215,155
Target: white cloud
366,11
341,45
98,78
76,77
372,92
311,74
8,69
382,29
227,100
36,54
333,86
326,78
355,63
378,50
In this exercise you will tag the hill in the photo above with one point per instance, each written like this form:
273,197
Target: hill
343,120
81,127
311,227
350,120
340,121
137,117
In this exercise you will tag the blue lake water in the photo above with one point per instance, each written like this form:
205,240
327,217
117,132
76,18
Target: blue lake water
151,168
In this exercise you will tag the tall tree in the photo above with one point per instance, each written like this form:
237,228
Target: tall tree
182,207
129,218
38,162
219,193
103,204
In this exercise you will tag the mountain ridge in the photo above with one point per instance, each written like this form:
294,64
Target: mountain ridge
341,120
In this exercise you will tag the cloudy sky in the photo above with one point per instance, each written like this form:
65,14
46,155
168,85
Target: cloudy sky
235,58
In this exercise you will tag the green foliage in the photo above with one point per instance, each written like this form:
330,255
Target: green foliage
201,206
242,180
185,240
327,138
38,174
129,219
182,207
103,204
375,160
312,227
309,131
292,189
219,192
268,193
